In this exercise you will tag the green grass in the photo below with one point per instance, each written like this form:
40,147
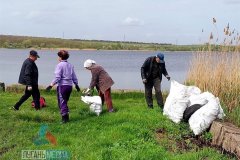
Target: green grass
129,133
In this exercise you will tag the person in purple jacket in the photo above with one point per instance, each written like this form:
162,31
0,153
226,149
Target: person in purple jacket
64,78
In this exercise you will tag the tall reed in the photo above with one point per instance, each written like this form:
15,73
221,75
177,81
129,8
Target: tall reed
219,71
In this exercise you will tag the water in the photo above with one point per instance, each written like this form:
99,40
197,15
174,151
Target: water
123,66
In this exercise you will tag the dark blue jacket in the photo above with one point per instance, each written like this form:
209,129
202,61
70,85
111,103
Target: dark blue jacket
29,73
146,69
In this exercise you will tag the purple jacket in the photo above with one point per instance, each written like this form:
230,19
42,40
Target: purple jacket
64,74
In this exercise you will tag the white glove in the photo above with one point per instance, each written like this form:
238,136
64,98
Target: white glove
29,88
86,91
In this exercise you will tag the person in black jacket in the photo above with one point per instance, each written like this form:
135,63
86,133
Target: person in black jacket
151,72
29,77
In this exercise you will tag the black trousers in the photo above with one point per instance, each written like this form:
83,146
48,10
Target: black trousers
156,83
35,95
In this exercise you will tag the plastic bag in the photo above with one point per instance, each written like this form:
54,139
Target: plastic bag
95,103
190,110
178,100
203,118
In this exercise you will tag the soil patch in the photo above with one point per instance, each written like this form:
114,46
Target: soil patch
186,143
6,149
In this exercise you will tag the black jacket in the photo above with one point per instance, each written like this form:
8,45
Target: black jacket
29,73
146,69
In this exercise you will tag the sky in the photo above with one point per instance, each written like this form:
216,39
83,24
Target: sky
150,21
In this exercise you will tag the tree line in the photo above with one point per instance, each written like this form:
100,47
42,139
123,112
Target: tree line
10,41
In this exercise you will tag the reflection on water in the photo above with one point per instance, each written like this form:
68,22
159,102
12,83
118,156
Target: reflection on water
123,66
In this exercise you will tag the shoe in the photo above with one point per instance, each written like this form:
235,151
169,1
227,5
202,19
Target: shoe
65,119
37,109
161,106
150,106
111,110
13,108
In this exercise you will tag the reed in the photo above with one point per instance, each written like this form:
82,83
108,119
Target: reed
219,71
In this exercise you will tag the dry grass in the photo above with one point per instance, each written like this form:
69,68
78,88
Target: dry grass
219,71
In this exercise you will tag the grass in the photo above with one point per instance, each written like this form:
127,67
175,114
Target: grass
129,133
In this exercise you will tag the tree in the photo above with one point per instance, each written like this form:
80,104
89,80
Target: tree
27,43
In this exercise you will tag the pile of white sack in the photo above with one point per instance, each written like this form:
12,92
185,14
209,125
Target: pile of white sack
95,103
181,97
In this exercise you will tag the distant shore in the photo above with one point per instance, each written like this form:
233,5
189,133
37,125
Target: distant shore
92,49
26,42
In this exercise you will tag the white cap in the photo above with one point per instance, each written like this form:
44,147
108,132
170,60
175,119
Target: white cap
89,63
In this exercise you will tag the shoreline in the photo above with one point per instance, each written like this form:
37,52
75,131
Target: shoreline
92,49
13,87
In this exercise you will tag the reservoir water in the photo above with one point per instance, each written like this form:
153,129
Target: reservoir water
123,66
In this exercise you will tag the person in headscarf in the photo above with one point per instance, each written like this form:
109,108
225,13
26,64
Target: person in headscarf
102,81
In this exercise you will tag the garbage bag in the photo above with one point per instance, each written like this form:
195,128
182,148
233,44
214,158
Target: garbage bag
189,111
203,117
178,100
95,103
200,98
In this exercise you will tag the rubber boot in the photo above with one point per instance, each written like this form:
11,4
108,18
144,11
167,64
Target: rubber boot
65,119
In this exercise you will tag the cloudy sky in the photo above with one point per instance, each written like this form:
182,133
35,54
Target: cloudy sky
160,21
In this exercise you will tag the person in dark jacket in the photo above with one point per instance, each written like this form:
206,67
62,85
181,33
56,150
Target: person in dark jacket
29,77
102,81
151,71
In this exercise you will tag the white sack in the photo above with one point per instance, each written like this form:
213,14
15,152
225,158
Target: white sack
177,100
201,99
176,109
203,118
95,103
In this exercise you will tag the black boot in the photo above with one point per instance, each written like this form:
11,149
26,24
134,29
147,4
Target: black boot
65,118
161,106
150,106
